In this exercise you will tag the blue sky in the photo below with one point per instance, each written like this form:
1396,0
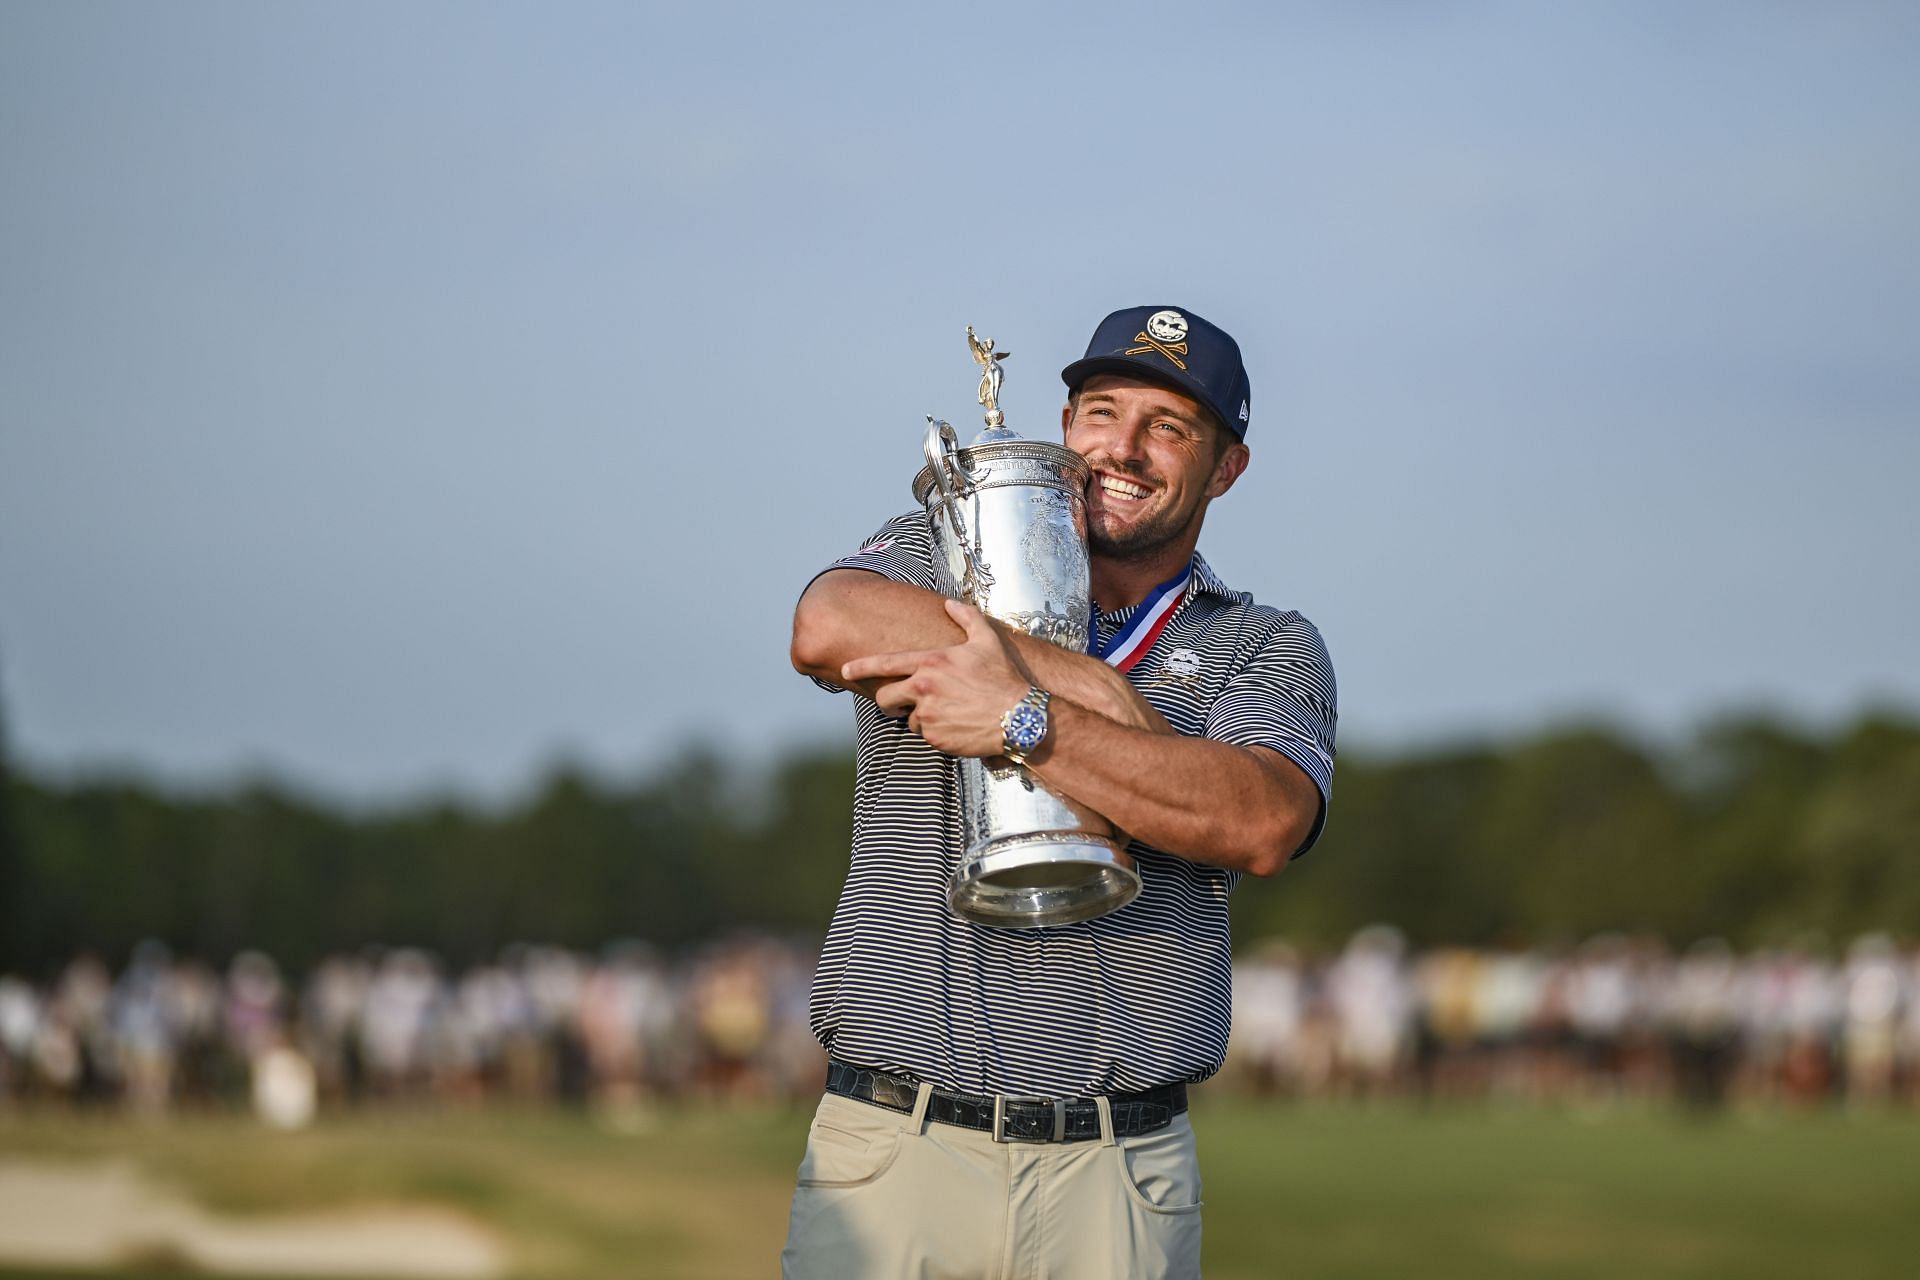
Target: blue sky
403,396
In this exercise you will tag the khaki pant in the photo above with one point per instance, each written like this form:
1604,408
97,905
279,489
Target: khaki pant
886,1196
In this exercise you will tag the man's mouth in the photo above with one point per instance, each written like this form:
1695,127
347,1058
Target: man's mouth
1116,487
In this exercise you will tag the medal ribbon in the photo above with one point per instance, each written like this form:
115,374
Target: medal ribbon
1137,636
1171,350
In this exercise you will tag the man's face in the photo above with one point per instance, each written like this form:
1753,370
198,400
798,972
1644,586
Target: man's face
1157,458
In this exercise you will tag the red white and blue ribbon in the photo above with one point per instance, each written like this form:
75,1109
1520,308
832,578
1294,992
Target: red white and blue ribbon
1132,641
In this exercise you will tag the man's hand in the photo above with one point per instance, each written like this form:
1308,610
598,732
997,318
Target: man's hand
1246,808
953,697
851,613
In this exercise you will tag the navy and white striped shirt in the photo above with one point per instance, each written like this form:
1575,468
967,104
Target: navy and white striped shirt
1133,1000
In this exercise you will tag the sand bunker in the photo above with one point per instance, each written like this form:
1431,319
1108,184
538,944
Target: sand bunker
100,1215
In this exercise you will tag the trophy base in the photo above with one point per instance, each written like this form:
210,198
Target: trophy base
1031,882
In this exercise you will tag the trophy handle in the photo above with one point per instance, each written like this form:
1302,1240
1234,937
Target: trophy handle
941,446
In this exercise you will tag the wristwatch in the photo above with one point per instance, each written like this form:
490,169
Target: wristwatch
1024,727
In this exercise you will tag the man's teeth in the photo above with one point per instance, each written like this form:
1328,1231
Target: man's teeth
1123,488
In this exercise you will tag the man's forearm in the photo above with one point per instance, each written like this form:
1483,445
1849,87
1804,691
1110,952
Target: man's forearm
1247,808
851,613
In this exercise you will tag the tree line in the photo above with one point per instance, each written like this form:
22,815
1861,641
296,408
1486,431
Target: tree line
1753,830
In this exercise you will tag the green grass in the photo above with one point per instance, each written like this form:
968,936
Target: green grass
1348,1192
1323,1192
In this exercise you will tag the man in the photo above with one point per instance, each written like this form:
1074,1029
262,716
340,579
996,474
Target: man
1013,1102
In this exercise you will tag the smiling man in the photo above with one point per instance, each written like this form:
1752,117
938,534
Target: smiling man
1202,725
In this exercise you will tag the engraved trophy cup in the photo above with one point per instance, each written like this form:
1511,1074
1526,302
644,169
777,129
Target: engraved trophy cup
1009,528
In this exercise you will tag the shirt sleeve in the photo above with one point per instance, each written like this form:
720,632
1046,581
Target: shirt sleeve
902,549
1285,699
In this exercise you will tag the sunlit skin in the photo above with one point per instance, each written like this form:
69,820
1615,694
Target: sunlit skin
1157,461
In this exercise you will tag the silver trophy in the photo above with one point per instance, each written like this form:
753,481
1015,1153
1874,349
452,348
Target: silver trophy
1009,524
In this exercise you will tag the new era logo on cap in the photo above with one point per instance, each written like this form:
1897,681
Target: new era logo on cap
1174,346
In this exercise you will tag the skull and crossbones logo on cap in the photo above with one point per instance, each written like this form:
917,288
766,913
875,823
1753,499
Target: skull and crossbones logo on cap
1167,326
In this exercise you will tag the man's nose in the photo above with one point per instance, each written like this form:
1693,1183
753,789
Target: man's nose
1128,442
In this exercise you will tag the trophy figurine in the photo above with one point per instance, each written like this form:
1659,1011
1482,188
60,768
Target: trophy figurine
1009,526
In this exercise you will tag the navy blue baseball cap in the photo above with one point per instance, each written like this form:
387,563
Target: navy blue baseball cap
1174,346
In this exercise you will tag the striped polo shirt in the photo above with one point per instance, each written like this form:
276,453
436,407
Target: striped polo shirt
1138,998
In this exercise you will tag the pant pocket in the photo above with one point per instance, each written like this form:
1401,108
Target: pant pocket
1161,1170
841,1152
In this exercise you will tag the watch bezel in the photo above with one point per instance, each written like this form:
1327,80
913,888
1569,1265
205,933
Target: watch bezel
1024,726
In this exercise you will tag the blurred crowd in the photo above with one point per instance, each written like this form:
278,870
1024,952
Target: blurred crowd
1615,1017
1612,1018
541,1024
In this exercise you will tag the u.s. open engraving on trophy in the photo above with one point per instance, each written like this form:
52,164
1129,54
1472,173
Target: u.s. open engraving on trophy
1009,529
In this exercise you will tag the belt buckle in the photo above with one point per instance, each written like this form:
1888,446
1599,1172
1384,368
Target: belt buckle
1000,1101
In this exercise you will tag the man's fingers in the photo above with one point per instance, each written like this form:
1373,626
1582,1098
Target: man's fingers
990,637
893,666
894,699
885,665
971,620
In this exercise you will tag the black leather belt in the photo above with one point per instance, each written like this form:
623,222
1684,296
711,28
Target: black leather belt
1014,1119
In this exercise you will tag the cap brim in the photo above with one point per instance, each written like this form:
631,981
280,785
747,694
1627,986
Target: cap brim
1138,367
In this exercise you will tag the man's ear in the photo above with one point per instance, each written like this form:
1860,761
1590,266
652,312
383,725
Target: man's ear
1232,463
1066,418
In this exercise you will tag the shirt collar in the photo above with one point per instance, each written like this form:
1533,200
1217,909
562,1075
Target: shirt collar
1204,579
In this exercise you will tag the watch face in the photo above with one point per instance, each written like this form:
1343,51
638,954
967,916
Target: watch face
1025,726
